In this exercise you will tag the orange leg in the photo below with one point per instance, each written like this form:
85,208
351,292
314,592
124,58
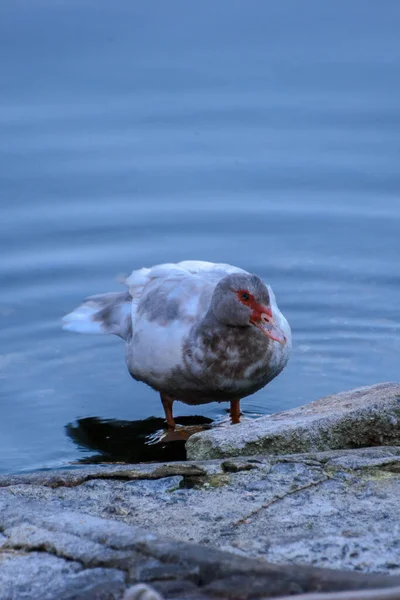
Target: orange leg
167,402
235,411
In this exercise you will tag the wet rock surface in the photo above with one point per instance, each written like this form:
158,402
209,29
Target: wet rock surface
74,533
364,417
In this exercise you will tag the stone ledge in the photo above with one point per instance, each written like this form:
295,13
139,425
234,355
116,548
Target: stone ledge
368,416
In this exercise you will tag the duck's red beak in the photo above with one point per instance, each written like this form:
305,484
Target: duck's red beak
263,319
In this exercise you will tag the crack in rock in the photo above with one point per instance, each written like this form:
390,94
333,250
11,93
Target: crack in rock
276,499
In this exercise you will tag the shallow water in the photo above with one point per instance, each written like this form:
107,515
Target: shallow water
132,134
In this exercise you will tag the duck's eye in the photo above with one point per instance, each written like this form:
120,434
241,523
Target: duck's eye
245,296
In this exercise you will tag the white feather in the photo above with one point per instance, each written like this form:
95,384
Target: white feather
80,320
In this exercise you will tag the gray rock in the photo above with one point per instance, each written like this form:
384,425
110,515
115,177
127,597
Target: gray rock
95,474
368,416
141,591
324,509
41,575
53,553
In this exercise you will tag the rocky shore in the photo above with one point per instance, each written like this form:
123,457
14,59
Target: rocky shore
312,506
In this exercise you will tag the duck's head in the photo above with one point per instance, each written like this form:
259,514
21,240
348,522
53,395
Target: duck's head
243,300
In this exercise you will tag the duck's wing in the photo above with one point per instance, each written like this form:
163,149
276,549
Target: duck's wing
139,278
168,292
175,290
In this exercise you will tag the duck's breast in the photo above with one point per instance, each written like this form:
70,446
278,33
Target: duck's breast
223,364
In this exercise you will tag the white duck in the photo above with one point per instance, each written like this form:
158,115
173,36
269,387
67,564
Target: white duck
195,331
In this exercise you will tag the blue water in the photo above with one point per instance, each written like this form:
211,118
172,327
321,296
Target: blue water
263,134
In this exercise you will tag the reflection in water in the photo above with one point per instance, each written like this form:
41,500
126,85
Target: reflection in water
133,441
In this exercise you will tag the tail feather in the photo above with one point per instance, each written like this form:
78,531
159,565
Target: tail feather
101,314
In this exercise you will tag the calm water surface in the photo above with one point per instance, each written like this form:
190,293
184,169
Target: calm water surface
136,133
